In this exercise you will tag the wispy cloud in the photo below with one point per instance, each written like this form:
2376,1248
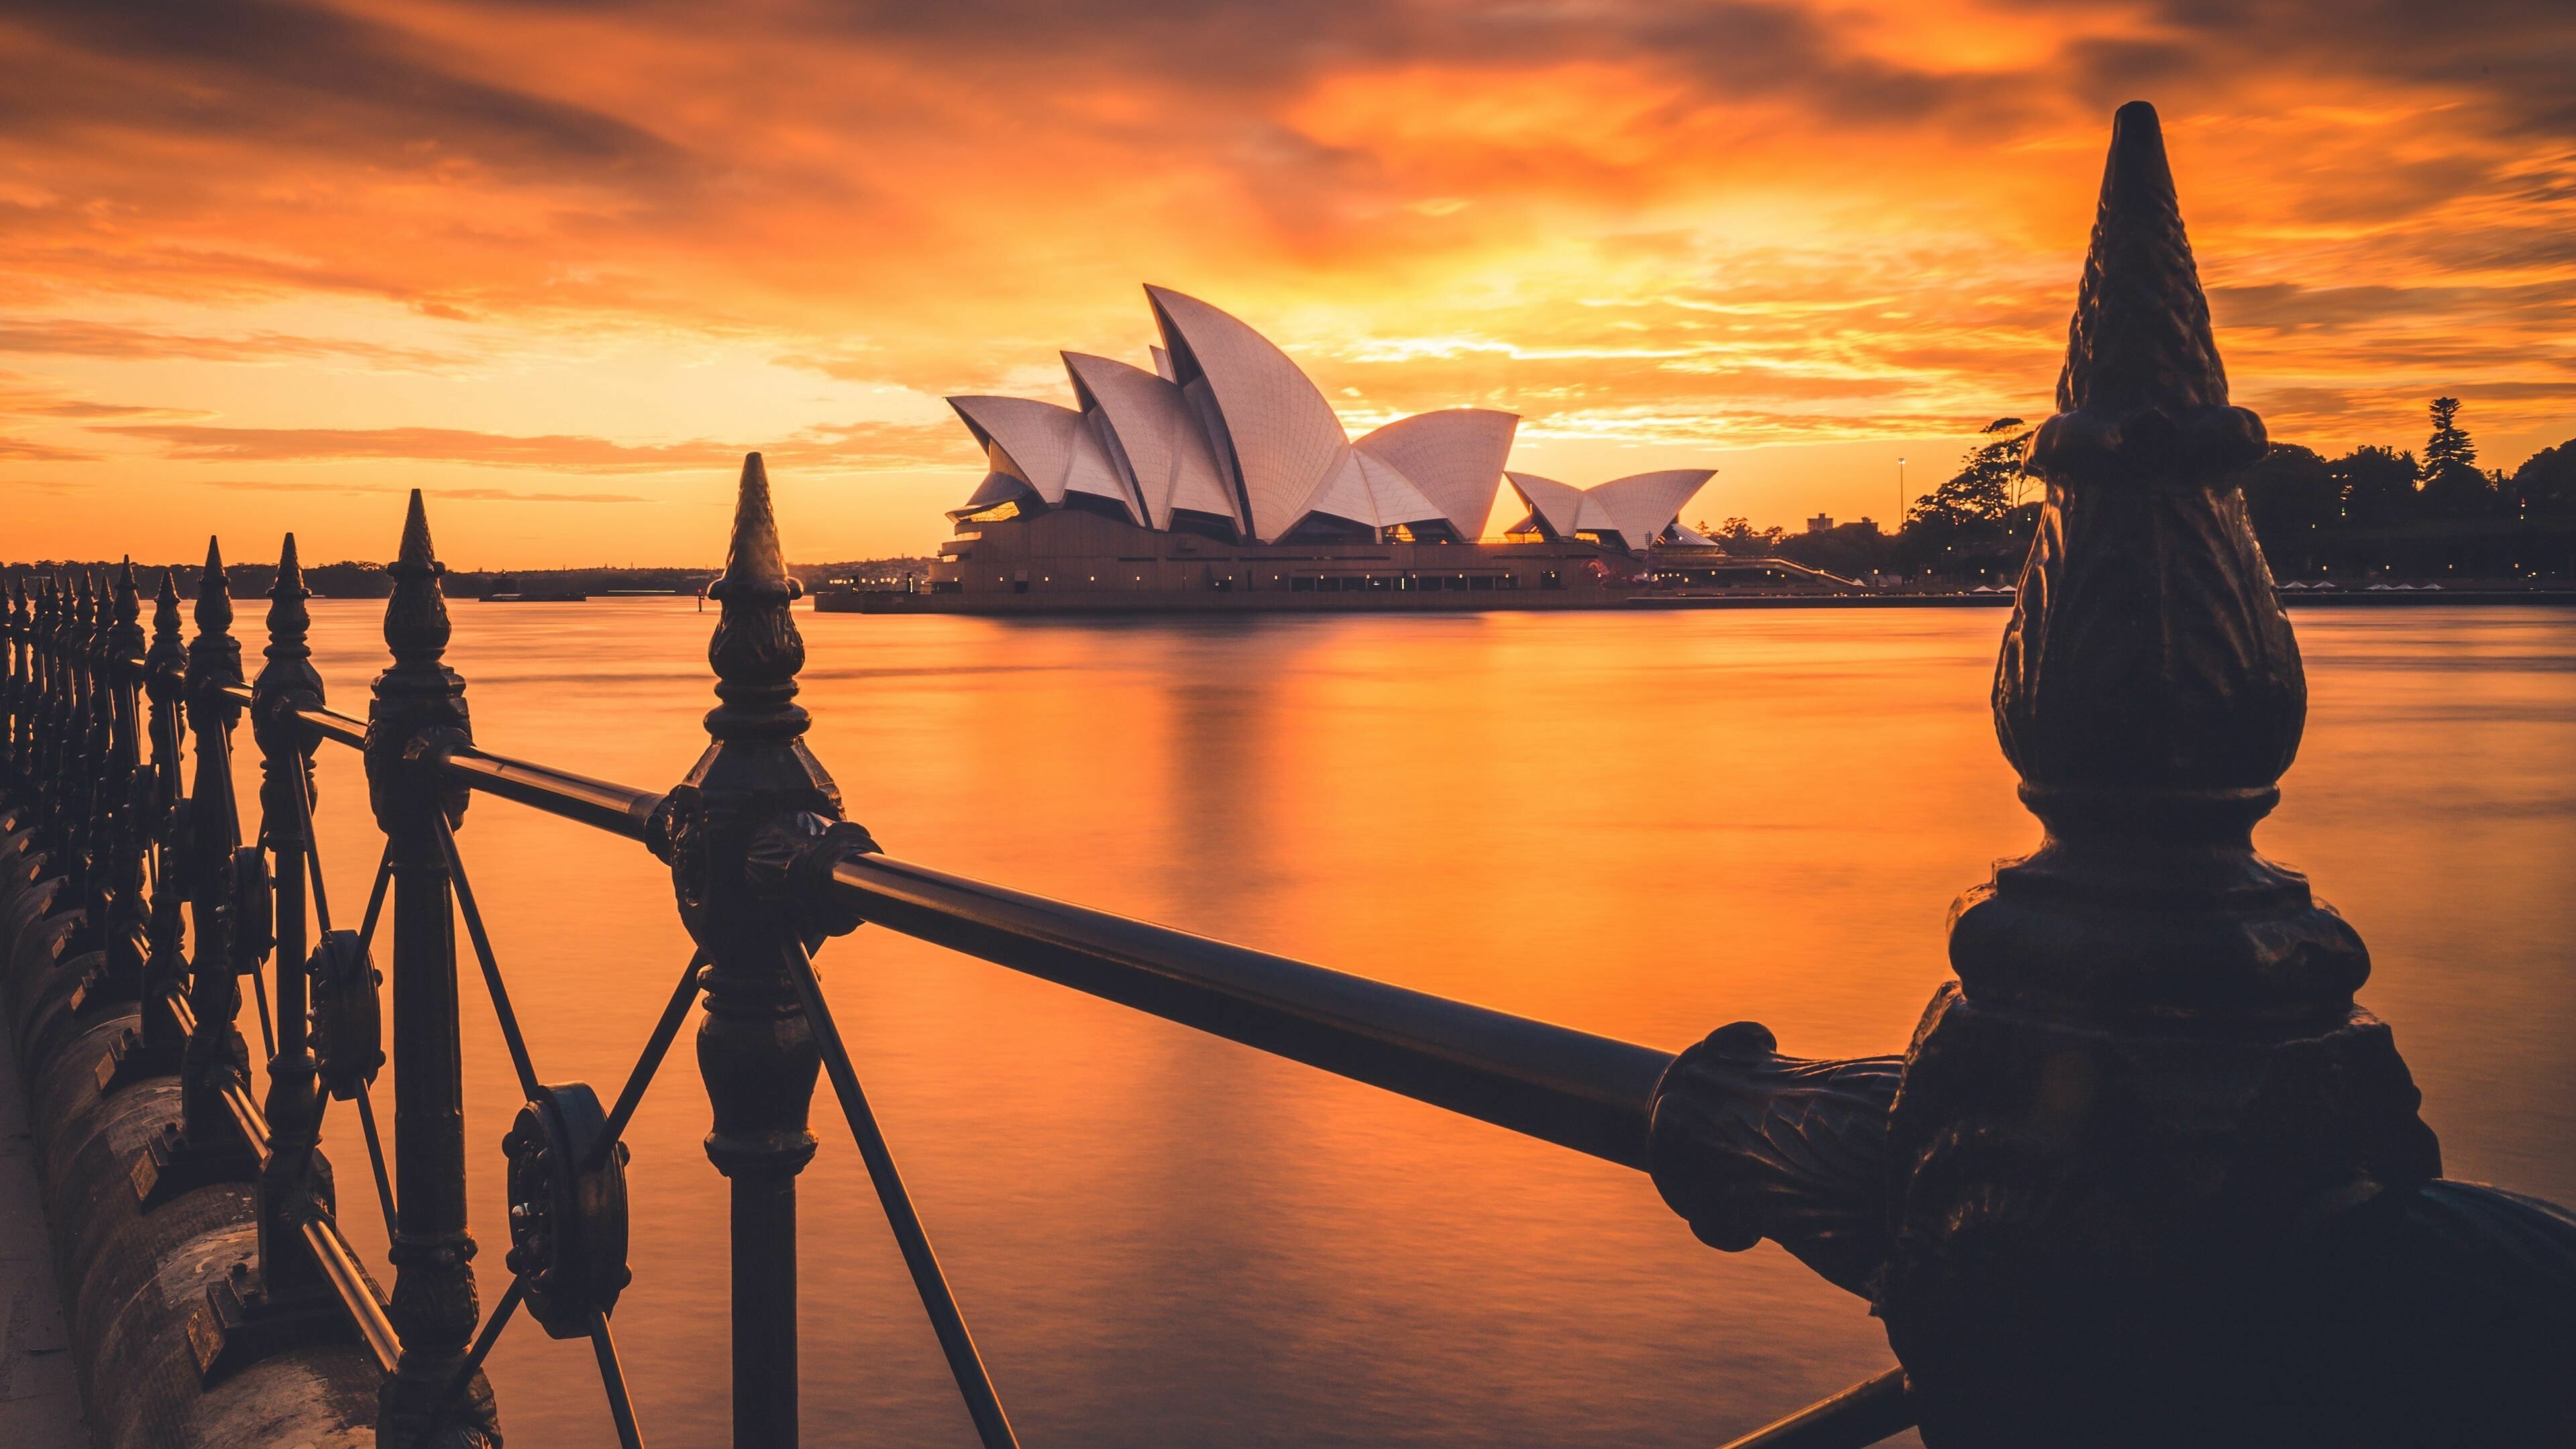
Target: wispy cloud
1668,224
73,337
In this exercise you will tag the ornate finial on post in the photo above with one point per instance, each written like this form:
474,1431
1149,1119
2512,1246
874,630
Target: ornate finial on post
756,650
288,1192
215,1054
127,794
418,710
125,637
416,624
165,667
2134,1137
755,800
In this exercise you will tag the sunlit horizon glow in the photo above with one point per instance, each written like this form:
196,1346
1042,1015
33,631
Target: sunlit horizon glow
272,262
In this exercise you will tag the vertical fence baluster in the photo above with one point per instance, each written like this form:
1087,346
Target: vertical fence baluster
206,1143
165,960
49,721
288,1188
80,776
418,706
13,739
756,1050
128,792
153,1047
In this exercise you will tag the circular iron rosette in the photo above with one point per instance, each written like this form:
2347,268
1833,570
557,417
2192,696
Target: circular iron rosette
347,1014
567,1218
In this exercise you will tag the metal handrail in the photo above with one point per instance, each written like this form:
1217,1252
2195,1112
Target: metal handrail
1575,1089
617,809
340,1264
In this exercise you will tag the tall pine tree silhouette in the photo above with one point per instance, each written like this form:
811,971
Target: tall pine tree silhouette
2453,486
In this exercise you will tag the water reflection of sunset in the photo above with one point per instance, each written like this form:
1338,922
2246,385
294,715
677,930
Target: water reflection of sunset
1638,826
562,264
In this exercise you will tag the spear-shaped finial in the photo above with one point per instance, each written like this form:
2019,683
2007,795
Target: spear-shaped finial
2141,336
756,649
2149,689
416,622
125,639
169,654
214,656
288,619
214,593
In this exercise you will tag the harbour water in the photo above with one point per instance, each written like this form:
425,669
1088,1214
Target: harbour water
1645,826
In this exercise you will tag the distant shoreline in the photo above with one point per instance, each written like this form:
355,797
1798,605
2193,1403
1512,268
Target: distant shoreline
2336,599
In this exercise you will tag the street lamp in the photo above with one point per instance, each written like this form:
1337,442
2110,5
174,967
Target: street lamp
1900,498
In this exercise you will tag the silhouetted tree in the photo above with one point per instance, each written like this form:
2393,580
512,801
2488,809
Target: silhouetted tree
1849,549
2449,447
2378,486
2452,485
1981,492
1740,539
1970,527
2544,487
2292,497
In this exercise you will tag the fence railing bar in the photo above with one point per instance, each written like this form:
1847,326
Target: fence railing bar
983,1405
1866,1413
248,1119
631,1095
1578,1090
612,1379
501,1008
618,809
334,726
340,1265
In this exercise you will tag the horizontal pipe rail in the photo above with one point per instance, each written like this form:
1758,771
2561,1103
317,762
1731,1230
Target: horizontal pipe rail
617,809
334,726
1872,1410
248,1119
1590,1093
340,1264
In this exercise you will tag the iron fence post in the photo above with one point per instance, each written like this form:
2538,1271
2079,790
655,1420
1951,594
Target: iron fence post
81,763
756,1049
13,616
418,707
215,1055
128,794
289,1191
158,1036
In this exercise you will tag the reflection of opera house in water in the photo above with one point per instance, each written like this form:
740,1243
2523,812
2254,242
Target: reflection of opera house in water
1222,480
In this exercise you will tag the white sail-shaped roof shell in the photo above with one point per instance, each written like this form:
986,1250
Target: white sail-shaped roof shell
1558,505
1287,445
1369,491
1155,427
1053,448
1642,505
1638,507
1455,457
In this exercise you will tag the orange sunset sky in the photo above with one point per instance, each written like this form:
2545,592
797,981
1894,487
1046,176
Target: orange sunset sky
271,262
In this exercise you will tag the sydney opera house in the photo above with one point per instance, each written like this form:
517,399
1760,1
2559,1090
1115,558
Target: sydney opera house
1223,480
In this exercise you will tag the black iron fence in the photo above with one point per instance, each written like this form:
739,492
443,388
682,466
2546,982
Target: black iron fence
2145,1175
